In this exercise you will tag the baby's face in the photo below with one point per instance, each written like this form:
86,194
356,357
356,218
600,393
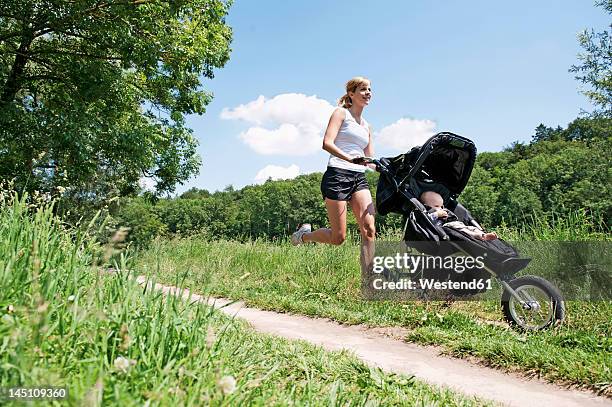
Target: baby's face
433,200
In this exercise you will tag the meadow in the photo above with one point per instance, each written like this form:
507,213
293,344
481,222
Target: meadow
66,320
324,281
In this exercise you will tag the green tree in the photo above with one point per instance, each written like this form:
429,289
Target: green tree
140,218
93,93
480,196
543,132
589,128
595,69
195,193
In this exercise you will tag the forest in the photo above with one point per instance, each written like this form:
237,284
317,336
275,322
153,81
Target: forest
560,172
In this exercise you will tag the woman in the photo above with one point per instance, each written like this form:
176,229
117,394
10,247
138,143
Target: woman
347,138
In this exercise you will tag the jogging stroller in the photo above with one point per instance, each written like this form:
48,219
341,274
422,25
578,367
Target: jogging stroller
444,164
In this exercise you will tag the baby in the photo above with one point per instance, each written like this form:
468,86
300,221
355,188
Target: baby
439,216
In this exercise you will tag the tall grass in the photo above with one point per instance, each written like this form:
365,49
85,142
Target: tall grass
574,226
324,281
573,251
65,321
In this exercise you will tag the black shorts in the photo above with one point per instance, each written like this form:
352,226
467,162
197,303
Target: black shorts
340,184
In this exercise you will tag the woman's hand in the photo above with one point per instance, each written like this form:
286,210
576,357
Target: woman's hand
360,160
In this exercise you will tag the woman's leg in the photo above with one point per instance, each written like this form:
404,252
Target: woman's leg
336,212
363,209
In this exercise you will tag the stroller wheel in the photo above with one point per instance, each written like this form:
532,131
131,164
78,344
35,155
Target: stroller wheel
540,304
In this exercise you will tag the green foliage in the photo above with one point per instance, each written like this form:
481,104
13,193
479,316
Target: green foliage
324,281
66,322
143,223
195,193
276,208
595,69
93,94
582,128
271,210
561,172
480,196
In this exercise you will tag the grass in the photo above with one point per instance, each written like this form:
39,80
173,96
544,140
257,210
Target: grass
324,281
66,321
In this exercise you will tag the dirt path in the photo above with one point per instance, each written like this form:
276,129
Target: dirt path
377,347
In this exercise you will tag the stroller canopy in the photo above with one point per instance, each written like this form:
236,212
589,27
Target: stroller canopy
443,164
446,158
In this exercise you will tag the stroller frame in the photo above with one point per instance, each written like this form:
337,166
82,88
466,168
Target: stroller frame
444,164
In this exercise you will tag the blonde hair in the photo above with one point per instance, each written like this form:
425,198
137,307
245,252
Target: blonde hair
351,86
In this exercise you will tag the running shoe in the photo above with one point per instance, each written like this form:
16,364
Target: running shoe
296,237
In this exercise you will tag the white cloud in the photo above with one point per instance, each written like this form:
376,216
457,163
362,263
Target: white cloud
289,124
288,139
293,108
405,134
276,172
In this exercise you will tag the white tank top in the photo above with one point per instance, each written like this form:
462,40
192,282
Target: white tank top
352,139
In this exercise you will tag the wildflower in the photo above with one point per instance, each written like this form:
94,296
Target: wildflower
123,364
10,308
71,298
177,391
211,337
42,307
227,384
61,189
93,397
120,235
125,337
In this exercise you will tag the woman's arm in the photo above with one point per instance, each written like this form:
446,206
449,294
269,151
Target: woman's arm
369,150
335,121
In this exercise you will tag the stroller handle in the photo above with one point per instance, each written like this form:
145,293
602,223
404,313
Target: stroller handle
369,160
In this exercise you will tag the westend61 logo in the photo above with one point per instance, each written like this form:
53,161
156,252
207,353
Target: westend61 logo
411,263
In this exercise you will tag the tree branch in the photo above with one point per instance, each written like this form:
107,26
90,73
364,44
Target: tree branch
13,82
78,54
43,77
9,36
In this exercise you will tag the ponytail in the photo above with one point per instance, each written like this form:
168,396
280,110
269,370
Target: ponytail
345,101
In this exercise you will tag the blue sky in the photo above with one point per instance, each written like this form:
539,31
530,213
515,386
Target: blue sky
488,70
